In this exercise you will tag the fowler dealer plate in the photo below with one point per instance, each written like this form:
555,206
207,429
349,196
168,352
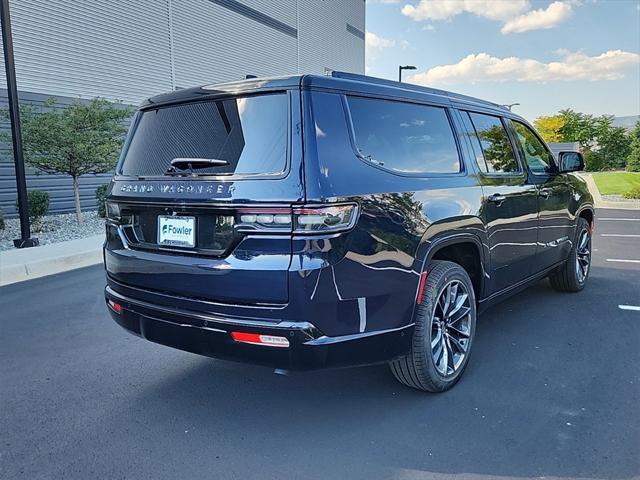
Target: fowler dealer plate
177,231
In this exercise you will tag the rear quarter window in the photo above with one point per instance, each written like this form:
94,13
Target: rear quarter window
249,133
403,137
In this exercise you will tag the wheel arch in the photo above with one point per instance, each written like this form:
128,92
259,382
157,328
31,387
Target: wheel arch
588,214
465,249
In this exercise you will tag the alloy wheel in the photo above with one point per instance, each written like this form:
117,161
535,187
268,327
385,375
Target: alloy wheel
583,255
451,328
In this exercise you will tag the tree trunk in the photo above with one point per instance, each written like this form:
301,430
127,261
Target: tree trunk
76,198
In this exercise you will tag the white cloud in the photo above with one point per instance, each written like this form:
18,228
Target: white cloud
554,14
516,15
375,43
482,67
447,9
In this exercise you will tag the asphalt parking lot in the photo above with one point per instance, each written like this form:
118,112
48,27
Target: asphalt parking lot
553,390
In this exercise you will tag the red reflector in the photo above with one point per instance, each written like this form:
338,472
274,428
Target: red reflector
260,339
116,307
423,280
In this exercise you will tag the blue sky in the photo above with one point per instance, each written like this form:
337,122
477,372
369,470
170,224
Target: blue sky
544,54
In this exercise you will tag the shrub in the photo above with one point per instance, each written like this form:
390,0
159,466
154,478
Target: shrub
633,163
593,162
634,193
101,197
38,205
633,160
1,220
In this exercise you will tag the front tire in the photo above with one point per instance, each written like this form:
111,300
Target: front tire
445,325
573,275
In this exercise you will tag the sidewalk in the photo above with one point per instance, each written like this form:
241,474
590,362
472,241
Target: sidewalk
28,263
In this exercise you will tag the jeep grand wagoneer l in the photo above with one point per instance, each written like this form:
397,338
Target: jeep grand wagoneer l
325,221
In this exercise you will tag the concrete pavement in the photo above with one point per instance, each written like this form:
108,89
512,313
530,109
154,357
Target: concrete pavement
18,265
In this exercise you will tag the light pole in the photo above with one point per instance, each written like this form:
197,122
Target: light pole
25,239
404,67
508,106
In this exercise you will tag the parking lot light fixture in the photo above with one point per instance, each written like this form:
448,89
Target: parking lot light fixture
25,239
404,67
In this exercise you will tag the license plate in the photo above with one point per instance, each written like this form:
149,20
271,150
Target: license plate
177,231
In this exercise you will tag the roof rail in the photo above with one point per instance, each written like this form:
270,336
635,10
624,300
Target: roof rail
410,86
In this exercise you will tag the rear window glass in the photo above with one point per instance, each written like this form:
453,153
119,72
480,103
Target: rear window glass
249,133
496,146
404,137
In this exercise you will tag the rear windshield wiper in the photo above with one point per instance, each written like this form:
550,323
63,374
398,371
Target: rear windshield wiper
191,164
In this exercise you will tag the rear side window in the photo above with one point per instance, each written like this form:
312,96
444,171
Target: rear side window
497,151
404,137
249,133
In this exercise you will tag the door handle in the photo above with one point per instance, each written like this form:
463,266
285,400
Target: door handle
544,193
497,198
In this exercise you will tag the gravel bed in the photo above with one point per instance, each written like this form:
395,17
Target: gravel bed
620,198
54,229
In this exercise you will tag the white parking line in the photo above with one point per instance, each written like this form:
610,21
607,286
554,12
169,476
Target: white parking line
629,307
623,235
620,219
621,260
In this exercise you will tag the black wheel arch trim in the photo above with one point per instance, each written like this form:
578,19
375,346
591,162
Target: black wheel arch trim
584,208
454,238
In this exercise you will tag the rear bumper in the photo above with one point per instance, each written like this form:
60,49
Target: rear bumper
209,335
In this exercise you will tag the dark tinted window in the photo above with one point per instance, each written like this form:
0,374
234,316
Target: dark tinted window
496,147
470,133
404,137
538,158
250,133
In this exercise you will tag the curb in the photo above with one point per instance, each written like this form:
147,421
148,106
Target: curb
29,263
599,202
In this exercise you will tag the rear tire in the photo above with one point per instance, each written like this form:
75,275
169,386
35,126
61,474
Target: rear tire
572,276
445,325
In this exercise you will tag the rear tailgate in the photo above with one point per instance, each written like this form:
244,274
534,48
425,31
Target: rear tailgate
217,233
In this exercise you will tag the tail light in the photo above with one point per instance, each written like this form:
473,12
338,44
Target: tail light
112,211
114,214
300,220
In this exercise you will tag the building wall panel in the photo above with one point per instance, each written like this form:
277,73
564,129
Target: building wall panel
215,44
129,50
117,49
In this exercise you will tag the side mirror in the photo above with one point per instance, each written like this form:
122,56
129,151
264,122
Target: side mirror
570,162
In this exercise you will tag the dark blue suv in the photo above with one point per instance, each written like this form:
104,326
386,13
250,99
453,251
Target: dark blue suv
327,221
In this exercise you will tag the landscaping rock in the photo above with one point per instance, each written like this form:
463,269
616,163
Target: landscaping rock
54,229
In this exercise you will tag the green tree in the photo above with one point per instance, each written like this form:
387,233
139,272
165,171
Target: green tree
578,127
550,127
83,138
633,159
613,143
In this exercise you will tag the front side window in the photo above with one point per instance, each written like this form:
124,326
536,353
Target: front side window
538,158
496,147
404,137
247,134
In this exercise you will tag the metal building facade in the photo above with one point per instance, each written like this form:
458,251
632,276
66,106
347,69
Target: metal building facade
128,50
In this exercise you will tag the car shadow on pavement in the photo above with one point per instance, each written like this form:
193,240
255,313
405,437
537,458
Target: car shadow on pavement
530,404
